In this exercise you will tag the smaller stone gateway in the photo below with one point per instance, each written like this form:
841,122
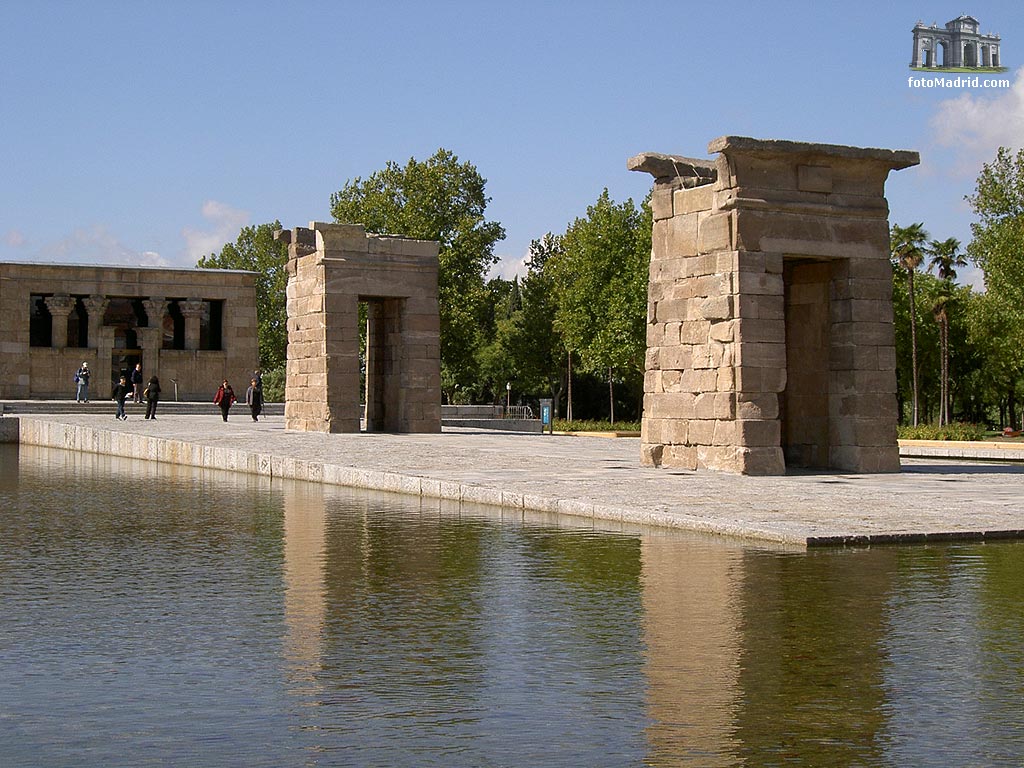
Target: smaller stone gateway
332,269
770,337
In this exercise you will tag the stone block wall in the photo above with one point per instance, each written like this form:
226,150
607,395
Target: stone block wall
28,371
333,268
770,338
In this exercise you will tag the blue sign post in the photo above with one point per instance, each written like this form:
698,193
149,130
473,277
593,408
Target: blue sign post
546,422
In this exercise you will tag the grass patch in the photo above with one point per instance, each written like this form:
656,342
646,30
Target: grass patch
956,431
591,425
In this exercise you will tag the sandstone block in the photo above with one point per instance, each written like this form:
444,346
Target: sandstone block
759,432
674,405
715,307
814,178
720,458
683,236
694,332
753,406
695,380
761,329
756,284
661,202
679,457
701,431
650,455
715,233
762,461
762,354
652,359
694,199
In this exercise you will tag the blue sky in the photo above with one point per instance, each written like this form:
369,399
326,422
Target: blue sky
151,132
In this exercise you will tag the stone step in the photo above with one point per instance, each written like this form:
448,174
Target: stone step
16,407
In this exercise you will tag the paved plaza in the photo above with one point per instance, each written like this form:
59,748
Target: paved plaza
582,476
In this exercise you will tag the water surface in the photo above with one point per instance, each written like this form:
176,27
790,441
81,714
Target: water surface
159,615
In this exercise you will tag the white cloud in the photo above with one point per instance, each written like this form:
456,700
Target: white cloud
508,267
977,123
225,221
15,239
96,245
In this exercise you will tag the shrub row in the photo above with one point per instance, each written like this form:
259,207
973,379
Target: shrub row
955,431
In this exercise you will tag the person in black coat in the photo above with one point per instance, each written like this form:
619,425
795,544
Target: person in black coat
224,398
254,399
152,393
136,383
119,393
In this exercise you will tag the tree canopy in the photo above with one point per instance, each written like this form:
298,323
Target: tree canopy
257,250
439,199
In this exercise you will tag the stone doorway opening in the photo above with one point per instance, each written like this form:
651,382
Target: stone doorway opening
804,404
382,363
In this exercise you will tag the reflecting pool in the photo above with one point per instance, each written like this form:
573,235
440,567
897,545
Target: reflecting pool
160,615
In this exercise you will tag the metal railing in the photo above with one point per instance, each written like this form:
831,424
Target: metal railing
519,412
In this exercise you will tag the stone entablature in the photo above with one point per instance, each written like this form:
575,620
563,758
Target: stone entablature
960,43
193,326
769,332
332,269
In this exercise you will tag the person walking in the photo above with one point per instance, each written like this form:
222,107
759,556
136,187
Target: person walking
152,394
119,394
225,397
137,383
254,399
82,380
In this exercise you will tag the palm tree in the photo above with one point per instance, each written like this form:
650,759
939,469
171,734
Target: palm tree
907,248
946,257
940,311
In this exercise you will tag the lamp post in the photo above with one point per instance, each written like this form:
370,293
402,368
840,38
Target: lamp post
508,396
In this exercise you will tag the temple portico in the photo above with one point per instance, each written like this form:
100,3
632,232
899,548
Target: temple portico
191,327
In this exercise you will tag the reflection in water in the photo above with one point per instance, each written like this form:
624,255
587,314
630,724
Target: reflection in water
692,613
304,596
156,614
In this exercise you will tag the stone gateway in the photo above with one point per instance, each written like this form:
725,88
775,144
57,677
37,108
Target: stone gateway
770,338
332,270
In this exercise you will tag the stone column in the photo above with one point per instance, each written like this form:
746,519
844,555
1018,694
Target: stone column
104,359
95,306
60,307
192,311
151,338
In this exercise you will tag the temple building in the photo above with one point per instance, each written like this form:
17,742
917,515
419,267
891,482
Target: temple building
191,327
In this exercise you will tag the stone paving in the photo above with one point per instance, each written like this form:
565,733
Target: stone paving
583,476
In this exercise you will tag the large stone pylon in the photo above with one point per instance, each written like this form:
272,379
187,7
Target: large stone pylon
770,325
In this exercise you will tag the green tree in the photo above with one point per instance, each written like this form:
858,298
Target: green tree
438,199
946,258
256,250
997,247
526,348
907,248
601,275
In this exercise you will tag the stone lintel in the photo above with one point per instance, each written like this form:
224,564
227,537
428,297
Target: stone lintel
894,159
691,171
